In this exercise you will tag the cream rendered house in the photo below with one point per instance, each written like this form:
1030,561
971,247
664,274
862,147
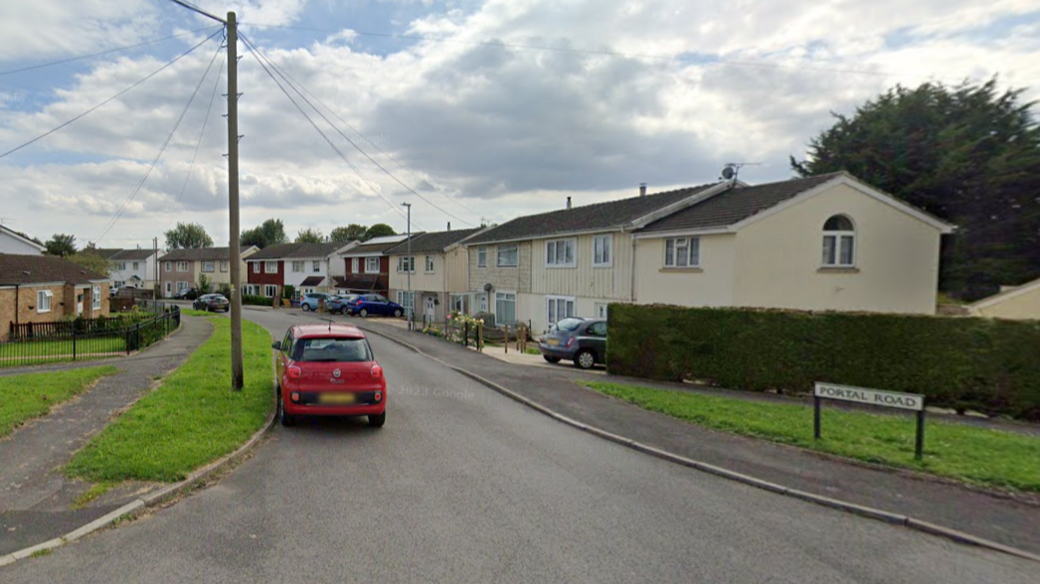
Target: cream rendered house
181,269
828,242
1014,302
437,264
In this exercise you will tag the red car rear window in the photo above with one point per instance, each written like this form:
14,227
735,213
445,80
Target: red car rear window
329,350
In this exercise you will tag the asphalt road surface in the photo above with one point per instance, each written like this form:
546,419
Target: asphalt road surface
464,485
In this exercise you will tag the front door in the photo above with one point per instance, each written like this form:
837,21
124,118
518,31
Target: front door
431,307
79,304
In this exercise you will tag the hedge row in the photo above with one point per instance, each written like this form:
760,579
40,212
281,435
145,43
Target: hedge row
985,365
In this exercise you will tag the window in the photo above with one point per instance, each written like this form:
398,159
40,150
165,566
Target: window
270,290
353,265
505,307
406,299
839,242
597,329
316,266
508,255
682,252
481,257
297,266
43,300
182,286
208,267
256,267
603,251
558,308
601,310
182,266
249,290
119,283
459,303
338,350
169,266
95,298
559,253
406,264
372,265
270,267
483,302
429,264
119,266
137,265
169,288
223,266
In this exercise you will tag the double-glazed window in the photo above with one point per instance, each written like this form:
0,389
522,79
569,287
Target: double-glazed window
482,257
270,290
603,251
95,298
223,266
256,267
682,252
406,264
353,265
839,242
315,266
558,308
505,307
297,266
429,264
559,253
271,267
182,266
508,255
208,267
372,265
43,300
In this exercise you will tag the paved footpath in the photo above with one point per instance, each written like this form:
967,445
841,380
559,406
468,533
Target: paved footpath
1004,520
35,498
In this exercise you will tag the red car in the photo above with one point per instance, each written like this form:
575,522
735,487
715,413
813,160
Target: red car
329,370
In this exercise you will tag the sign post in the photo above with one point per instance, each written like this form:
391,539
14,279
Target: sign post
873,397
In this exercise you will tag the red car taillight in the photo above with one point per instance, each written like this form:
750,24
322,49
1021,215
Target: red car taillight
570,342
294,372
377,372
358,303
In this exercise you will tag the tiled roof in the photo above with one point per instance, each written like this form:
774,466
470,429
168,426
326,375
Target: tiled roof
585,218
358,282
435,241
132,254
736,204
283,251
202,254
312,280
38,269
375,248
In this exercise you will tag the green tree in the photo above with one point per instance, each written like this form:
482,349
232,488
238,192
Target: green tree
61,244
188,236
205,285
969,154
378,230
310,236
270,232
90,260
352,232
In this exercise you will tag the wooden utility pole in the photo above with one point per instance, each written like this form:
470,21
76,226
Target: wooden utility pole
237,375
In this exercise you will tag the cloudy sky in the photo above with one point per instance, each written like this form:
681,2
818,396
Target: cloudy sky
485,109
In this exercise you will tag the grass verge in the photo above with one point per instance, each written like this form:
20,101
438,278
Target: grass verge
192,419
976,455
23,397
195,312
91,494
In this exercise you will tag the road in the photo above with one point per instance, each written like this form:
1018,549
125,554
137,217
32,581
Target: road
464,485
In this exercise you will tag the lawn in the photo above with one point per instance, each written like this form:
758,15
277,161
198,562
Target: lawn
19,353
971,454
23,397
189,421
195,312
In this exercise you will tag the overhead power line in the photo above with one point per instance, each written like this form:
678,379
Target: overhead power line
128,88
205,120
351,142
260,58
162,149
105,52
198,10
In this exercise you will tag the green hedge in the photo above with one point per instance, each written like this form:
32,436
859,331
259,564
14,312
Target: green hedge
253,300
990,366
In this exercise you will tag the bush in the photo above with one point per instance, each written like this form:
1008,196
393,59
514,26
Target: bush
990,366
255,300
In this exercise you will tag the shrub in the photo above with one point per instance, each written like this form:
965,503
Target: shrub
255,300
991,366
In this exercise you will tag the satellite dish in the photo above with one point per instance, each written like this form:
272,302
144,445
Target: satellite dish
728,173
488,287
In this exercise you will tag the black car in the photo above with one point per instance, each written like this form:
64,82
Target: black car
212,303
187,294
583,341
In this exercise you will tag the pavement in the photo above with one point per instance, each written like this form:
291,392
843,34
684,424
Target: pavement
466,485
35,498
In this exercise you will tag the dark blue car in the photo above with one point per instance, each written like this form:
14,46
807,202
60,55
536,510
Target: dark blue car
339,304
369,304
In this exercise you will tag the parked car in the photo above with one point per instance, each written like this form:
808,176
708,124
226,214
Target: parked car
338,304
329,370
368,304
187,294
583,341
211,303
309,301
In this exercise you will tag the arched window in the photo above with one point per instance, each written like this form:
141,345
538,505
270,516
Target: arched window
839,242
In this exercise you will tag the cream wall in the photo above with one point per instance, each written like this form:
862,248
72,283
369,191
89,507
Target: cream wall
778,258
516,279
1023,306
613,282
533,308
709,285
456,274
433,282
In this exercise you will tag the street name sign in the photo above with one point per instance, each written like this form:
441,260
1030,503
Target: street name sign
872,397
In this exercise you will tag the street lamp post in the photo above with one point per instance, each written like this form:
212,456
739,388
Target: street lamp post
411,266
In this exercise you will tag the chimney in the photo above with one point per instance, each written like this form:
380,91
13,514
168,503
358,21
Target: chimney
642,189
568,202
449,225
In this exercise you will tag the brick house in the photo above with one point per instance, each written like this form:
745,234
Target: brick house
367,265
307,267
181,269
41,288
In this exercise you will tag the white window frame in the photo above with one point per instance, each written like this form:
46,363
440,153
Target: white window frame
315,266
840,241
169,266
182,266
297,266
482,256
557,252
503,294
271,267
673,258
504,247
430,264
43,301
407,300
256,267
209,267
137,265
354,266
405,265
369,262
603,251
602,310
95,300
224,265
182,286
553,305
459,302
270,290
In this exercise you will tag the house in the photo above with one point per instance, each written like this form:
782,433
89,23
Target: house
181,269
42,288
828,242
307,267
13,242
437,264
1013,302
131,267
367,266
575,261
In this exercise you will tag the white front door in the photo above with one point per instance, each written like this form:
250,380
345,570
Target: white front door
431,307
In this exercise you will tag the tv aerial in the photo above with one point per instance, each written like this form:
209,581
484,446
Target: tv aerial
732,169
